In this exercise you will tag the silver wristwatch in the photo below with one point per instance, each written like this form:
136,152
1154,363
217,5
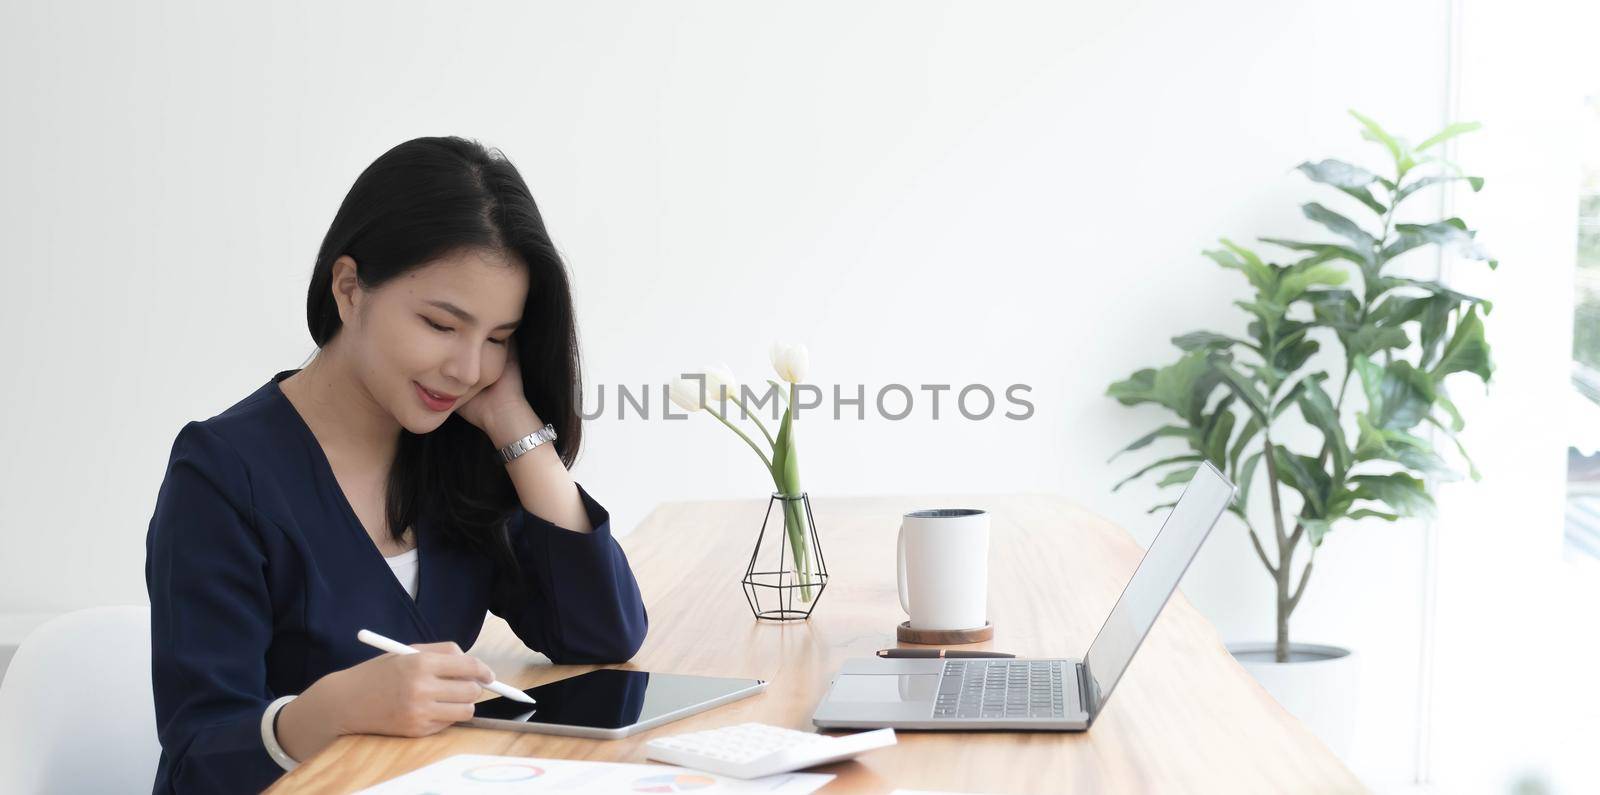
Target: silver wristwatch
511,451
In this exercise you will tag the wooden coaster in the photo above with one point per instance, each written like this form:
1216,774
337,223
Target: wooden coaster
943,637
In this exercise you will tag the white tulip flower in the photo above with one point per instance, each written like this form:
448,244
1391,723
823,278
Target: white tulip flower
721,384
686,392
791,362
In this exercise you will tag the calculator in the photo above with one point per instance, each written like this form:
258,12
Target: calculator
753,750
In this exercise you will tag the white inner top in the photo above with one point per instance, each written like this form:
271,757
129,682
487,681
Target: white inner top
404,566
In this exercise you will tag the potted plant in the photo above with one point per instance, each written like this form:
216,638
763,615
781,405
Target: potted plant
1394,341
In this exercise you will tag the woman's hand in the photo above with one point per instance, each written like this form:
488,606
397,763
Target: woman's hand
502,400
404,695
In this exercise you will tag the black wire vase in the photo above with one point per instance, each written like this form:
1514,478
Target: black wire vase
780,584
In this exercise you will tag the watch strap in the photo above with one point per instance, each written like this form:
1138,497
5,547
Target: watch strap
516,449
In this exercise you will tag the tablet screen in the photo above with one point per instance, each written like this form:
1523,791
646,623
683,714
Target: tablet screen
611,698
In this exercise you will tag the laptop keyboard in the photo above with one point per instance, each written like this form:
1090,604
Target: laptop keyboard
1002,689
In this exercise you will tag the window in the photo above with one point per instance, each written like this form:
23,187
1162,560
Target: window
1583,400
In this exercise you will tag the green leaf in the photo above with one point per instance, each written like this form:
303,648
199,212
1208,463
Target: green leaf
1247,255
1433,314
1388,283
780,452
1323,251
1467,350
1476,183
1336,309
1371,374
1317,408
1400,491
1365,196
1198,340
1177,459
1246,475
1405,396
1178,476
1241,259
789,473
1268,317
1213,418
1289,398
1217,436
1416,454
1393,310
1155,508
1447,133
1341,311
1451,234
1341,226
1443,401
1294,281
1370,443
1135,389
1338,173
791,467
1252,426
1365,513
1391,445
1369,339
1184,386
1245,389
1305,475
1435,320
1472,469
1145,440
1291,357
1317,529
1352,180
1402,158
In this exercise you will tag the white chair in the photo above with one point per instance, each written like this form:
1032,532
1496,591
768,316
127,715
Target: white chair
76,710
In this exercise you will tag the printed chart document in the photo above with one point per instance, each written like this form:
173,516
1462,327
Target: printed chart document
516,775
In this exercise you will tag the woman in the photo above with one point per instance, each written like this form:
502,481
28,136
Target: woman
388,485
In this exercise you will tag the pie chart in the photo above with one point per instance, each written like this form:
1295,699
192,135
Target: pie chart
673,782
502,772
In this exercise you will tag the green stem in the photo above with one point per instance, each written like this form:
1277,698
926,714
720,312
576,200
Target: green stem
1280,575
797,542
794,510
770,441
742,435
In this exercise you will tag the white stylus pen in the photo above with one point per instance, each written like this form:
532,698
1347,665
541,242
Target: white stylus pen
377,641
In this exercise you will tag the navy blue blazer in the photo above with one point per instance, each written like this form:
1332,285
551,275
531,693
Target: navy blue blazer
260,574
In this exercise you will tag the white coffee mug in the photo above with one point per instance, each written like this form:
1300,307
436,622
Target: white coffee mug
944,568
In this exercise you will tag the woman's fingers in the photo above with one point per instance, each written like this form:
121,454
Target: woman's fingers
456,713
461,666
447,660
456,690
447,714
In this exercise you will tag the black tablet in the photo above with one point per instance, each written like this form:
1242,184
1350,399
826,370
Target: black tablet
611,703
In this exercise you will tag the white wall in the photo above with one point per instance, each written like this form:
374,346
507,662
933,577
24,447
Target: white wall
922,192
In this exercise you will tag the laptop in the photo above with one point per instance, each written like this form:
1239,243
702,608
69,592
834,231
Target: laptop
1043,695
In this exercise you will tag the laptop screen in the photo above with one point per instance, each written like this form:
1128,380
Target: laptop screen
1202,503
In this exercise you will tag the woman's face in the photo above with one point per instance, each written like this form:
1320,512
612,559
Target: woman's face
444,327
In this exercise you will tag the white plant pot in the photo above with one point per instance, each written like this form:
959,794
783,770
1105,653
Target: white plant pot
1319,685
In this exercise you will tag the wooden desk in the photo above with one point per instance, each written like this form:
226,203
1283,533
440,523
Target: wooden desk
1186,717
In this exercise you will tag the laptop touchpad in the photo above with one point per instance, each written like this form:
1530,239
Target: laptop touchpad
882,688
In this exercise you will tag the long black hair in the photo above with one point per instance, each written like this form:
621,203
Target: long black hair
422,200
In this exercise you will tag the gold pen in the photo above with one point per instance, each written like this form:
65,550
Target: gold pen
941,654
